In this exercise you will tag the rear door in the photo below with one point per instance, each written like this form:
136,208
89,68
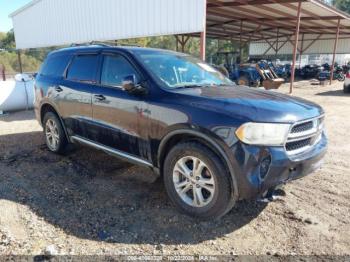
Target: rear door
120,117
76,91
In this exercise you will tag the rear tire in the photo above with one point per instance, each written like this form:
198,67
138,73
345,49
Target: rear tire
197,182
55,136
346,89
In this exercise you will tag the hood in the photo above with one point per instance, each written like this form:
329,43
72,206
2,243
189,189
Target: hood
252,104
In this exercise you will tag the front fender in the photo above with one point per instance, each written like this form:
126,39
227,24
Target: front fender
212,140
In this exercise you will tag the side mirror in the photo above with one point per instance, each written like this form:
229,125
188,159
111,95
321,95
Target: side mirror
129,84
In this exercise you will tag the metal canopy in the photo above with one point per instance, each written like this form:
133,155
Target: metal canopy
260,20
65,21
271,20
43,23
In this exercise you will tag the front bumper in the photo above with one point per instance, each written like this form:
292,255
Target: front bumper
247,160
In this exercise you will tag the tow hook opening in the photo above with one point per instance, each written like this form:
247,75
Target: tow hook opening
292,169
272,194
264,167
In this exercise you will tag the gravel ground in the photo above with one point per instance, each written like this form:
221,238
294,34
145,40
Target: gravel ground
92,204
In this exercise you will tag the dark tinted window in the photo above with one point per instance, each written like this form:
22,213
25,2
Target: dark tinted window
114,69
55,65
83,68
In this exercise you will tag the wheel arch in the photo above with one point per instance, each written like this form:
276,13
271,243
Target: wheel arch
48,107
186,135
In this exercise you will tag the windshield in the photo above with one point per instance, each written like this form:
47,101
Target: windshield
178,71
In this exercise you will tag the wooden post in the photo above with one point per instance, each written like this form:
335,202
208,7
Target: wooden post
3,70
182,41
182,44
177,43
295,49
240,40
334,51
20,61
277,38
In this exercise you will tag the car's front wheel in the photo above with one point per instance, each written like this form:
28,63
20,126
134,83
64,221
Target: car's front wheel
197,182
55,137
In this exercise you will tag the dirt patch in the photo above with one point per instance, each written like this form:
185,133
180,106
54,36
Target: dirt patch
90,203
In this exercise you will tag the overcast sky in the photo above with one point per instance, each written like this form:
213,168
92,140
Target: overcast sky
6,8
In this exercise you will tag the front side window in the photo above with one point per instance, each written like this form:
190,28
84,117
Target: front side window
177,70
114,69
83,68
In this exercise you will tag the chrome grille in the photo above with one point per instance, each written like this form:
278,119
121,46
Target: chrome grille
302,127
291,146
303,135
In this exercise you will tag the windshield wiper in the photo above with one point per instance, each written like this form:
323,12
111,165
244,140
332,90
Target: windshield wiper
189,86
199,85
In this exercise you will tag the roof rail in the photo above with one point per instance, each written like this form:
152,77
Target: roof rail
91,43
75,44
111,44
131,45
106,44
100,43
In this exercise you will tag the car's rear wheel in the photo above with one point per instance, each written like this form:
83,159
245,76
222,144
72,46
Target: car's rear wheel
55,137
197,182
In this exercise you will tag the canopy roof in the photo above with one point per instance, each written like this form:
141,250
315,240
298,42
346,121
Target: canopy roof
43,23
265,19
62,22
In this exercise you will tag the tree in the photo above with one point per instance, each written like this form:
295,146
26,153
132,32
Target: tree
7,41
343,5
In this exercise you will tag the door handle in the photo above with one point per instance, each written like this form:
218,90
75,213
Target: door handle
58,89
100,97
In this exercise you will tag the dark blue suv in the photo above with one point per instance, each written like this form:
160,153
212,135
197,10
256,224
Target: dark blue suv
213,142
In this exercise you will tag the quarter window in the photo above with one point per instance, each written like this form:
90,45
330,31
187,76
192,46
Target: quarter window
114,69
55,65
83,68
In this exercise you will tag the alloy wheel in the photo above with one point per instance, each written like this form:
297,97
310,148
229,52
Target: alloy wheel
193,181
52,134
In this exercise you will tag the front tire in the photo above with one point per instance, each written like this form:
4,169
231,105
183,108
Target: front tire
255,83
55,137
197,182
243,81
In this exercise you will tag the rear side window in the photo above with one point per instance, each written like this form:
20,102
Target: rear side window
55,65
83,68
114,69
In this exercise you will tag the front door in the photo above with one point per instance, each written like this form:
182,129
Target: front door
120,118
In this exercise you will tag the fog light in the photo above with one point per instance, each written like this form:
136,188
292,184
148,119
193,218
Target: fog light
264,166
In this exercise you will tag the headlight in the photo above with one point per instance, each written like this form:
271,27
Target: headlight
263,133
